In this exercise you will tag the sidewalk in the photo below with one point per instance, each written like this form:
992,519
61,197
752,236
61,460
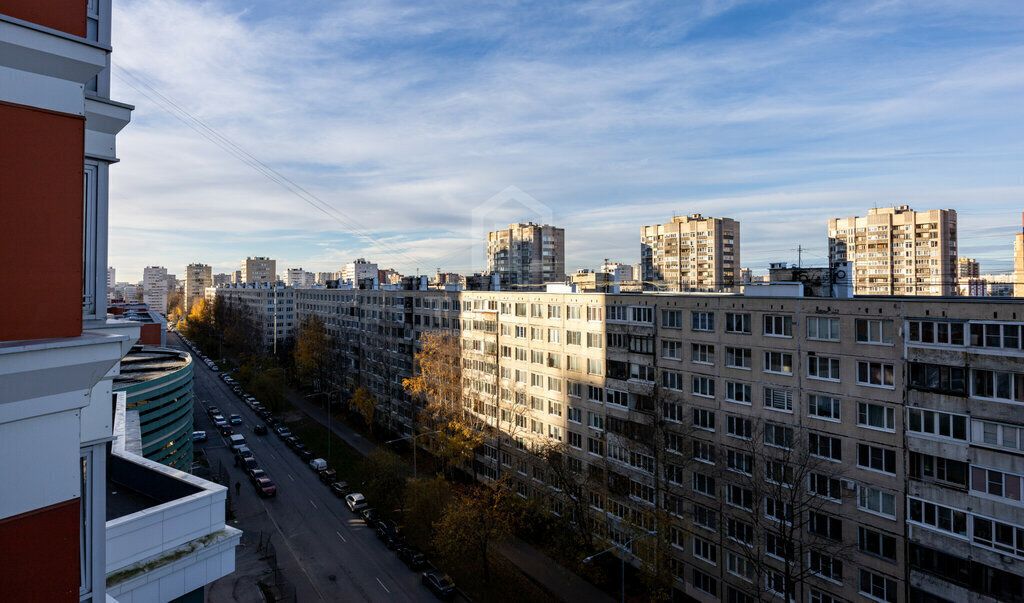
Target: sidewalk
543,570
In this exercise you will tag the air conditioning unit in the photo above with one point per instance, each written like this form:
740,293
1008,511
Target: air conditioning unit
849,484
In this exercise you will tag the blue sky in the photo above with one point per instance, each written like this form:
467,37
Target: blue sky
401,120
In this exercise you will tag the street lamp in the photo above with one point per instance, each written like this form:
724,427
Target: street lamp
415,473
625,551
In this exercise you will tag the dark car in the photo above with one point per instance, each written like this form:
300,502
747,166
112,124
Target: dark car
225,430
298,446
387,532
340,489
256,474
292,442
306,455
213,410
264,414
412,557
328,476
369,515
439,583
250,464
259,429
265,487
235,419
283,431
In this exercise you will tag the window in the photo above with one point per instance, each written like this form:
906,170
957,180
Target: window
876,416
594,367
554,408
618,398
554,311
779,472
536,357
874,331
825,525
520,309
737,392
739,566
997,385
705,583
738,427
739,496
878,374
996,483
595,340
778,435
704,452
520,332
825,446
950,380
640,372
575,440
876,543
574,415
775,582
703,386
936,516
778,399
573,338
595,313
825,566
778,547
778,325
702,549
1000,536
778,362
641,345
536,334
642,314
876,501
536,380
574,389
877,587
823,407
822,367
823,485
737,358
739,462
572,363
595,446
705,517
823,328
704,484
929,331
935,423
672,319
737,323
672,380
820,597
998,434
702,321
995,336
739,531
572,312
703,419
671,349
926,467
876,458
595,420
702,353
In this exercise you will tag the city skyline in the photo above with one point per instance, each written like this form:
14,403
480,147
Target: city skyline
612,117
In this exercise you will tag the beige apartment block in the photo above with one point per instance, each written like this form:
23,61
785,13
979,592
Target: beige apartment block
692,253
527,254
197,278
898,251
1018,265
258,270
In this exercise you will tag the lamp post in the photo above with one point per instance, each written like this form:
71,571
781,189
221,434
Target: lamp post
625,551
415,473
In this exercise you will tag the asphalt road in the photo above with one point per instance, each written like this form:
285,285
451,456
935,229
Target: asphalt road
323,549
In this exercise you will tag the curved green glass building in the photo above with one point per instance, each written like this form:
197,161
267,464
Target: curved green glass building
158,385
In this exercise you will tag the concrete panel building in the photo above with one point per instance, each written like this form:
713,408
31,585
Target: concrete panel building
692,253
527,254
154,288
271,306
360,269
299,278
197,278
258,270
1018,263
898,251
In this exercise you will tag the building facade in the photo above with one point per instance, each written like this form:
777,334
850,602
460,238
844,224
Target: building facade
272,308
898,251
527,254
353,272
222,279
258,270
154,288
885,429
1018,263
299,278
692,253
197,278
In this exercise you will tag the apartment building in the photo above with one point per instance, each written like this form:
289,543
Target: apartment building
884,428
898,251
299,278
353,272
154,288
197,278
692,253
258,270
222,279
1018,264
527,254
272,307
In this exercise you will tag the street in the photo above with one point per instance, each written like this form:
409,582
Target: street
326,552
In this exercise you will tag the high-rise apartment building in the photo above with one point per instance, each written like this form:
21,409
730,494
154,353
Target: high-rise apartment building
353,272
111,282
967,268
692,253
222,279
154,288
1018,263
272,306
62,432
527,254
299,278
197,278
898,251
258,270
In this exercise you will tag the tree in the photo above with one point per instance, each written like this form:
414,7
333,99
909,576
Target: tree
782,500
425,502
573,486
366,404
312,352
386,482
472,524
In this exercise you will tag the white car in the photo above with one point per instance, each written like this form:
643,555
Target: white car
355,501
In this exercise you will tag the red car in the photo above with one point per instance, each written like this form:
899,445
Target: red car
265,487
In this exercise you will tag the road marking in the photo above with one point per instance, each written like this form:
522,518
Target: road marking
340,536
314,504
382,586
290,477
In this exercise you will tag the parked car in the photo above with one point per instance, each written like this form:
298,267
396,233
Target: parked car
299,447
356,502
225,430
306,455
369,515
291,441
412,557
213,411
387,532
242,453
340,489
235,419
256,474
220,421
198,436
328,476
438,583
259,429
250,464
265,487
283,431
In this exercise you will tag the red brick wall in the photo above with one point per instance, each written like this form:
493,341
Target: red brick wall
41,168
